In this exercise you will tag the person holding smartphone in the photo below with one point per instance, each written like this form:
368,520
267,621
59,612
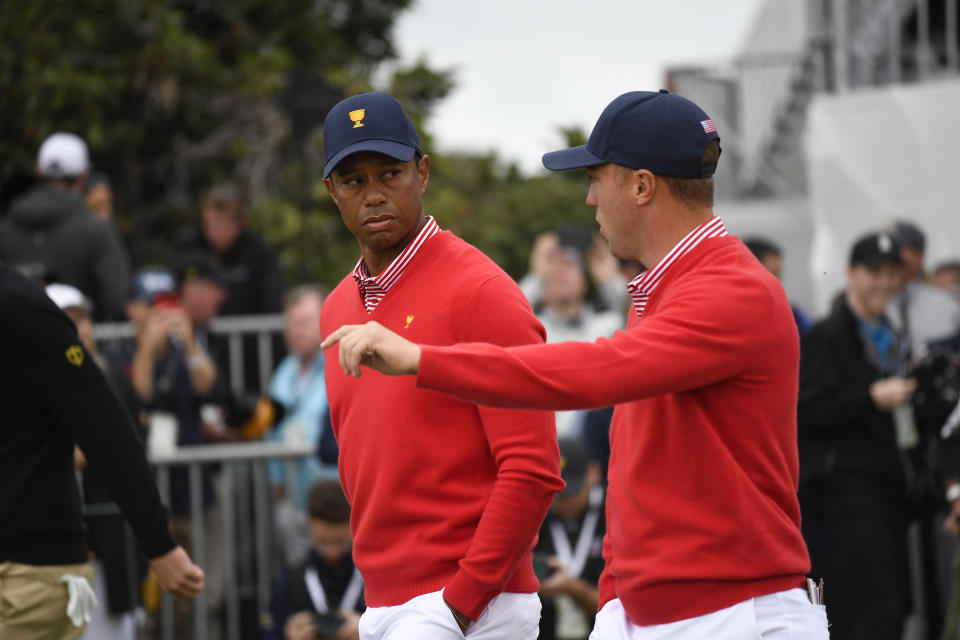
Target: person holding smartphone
323,596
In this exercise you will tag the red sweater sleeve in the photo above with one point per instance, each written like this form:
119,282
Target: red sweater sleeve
699,338
524,447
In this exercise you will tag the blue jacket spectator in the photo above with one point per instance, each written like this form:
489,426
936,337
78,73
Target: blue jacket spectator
298,384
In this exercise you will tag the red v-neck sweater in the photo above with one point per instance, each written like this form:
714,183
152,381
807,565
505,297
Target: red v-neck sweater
444,494
702,506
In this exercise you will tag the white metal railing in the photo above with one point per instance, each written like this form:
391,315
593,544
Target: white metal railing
249,561
234,329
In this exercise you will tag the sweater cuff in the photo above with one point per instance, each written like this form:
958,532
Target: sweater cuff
158,545
468,596
427,371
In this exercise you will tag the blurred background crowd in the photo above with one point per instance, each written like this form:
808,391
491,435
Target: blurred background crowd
160,173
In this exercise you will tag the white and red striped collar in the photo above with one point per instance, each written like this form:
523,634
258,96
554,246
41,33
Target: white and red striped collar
645,284
373,288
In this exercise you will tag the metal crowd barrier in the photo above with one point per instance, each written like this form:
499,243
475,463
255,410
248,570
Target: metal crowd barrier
249,555
249,562
233,329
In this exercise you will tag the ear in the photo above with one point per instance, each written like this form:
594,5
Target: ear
643,186
328,183
423,170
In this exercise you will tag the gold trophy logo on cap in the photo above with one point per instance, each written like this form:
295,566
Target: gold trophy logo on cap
357,116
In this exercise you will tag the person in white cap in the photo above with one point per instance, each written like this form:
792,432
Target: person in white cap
49,234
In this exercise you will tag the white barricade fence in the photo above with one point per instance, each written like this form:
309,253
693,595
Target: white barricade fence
246,548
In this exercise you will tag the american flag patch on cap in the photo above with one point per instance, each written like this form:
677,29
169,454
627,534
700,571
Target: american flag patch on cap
708,126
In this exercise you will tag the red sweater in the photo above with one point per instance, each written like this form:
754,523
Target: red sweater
702,505
444,494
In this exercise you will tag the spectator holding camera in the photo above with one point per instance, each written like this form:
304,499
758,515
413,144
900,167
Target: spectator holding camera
172,356
175,375
566,314
603,267
854,418
323,596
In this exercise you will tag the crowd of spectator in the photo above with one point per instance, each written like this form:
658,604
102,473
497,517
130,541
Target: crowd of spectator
875,393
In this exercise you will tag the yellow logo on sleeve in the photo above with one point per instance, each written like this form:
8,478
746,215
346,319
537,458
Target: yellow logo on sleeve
357,116
75,355
409,320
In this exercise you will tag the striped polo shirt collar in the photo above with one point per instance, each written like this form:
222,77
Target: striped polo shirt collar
643,286
374,288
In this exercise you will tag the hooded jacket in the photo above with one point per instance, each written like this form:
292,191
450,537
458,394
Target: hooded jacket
49,234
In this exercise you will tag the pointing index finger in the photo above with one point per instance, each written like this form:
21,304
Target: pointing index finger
337,335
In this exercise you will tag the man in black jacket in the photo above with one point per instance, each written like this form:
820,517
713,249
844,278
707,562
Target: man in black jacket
49,234
53,396
249,266
854,407
116,565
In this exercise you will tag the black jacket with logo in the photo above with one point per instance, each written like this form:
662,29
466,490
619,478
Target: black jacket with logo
53,395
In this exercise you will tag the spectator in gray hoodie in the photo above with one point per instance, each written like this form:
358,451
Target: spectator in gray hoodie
49,234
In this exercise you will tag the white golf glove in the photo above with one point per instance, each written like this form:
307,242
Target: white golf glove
82,599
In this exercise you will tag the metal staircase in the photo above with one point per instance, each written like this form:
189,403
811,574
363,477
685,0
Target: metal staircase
849,45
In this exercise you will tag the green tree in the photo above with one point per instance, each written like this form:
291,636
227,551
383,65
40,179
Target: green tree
172,96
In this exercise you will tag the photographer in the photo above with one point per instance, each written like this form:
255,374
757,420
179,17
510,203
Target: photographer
174,376
854,424
323,596
174,337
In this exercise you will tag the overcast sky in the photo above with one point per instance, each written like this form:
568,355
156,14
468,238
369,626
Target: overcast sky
525,68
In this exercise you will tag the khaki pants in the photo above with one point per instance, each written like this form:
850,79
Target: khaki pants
33,601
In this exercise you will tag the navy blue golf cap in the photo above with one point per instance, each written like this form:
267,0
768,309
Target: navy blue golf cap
150,282
654,130
368,122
